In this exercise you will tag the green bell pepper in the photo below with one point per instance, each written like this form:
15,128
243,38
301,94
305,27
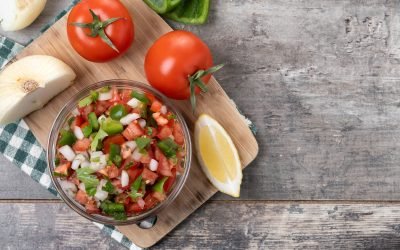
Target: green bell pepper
67,138
115,154
140,96
168,147
159,186
118,111
112,127
93,121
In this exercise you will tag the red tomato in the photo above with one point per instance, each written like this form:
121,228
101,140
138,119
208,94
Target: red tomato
170,181
156,106
163,164
81,145
114,139
120,32
126,95
134,208
172,58
149,175
164,132
91,207
133,173
81,197
77,121
85,111
115,95
178,134
101,107
150,201
133,131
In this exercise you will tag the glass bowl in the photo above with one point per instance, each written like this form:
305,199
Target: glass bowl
60,122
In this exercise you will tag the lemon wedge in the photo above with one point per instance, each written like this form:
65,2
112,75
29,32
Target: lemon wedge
218,155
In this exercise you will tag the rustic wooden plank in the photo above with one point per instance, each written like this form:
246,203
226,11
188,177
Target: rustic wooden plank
218,225
16,185
49,226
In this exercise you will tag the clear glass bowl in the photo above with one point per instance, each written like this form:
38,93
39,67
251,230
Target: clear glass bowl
60,122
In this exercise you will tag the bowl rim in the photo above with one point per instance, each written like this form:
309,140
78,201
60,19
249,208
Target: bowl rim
60,120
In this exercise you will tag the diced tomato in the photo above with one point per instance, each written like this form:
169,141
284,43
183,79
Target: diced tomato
81,197
170,181
63,169
164,132
115,95
133,173
150,201
115,139
91,207
126,95
178,134
85,111
163,164
113,171
129,163
145,159
84,124
77,121
81,145
134,208
154,132
150,176
101,107
161,121
133,131
150,96
156,106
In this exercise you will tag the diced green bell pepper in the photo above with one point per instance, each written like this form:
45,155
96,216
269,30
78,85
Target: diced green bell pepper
112,127
118,111
159,186
93,121
67,138
168,147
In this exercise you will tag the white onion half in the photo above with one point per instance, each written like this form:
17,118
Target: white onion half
19,14
29,83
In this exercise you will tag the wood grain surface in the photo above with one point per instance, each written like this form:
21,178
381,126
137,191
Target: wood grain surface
319,79
251,225
148,27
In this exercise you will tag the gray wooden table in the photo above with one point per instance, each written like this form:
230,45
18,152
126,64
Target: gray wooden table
321,81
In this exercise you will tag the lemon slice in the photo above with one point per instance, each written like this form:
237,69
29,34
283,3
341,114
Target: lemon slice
218,155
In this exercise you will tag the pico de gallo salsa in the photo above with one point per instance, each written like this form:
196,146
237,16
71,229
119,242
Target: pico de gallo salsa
119,152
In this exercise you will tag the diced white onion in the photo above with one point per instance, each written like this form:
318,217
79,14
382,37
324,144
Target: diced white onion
67,185
96,154
75,112
67,152
124,178
101,194
78,133
141,203
98,165
136,155
153,165
75,164
163,109
142,123
129,118
85,164
131,144
105,96
133,102
82,187
101,118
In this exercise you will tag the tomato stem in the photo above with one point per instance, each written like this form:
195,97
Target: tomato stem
97,28
195,81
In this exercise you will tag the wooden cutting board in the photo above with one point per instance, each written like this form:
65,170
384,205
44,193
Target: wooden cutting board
148,27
